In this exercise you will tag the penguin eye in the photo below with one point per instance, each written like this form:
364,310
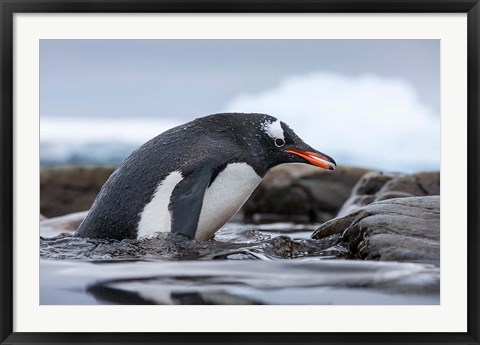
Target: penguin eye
279,142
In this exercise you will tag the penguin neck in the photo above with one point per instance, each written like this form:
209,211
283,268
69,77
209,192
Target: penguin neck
257,168
262,168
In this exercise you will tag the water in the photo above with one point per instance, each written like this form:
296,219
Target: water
244,264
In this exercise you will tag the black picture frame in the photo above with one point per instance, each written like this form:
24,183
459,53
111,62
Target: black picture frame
10,7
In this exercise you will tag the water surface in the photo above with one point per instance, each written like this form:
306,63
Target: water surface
244,264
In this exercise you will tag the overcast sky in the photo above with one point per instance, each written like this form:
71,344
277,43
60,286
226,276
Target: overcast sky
374,103
191,78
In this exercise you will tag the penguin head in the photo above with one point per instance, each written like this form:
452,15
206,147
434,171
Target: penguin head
285,146
265,142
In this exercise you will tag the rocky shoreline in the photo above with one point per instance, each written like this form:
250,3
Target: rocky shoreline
390,217
371,215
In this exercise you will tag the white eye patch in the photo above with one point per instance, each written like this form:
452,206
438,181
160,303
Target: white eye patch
273,129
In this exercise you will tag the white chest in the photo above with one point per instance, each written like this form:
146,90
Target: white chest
222,199
156,216
225,196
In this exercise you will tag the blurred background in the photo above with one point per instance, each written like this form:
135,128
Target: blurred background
367,103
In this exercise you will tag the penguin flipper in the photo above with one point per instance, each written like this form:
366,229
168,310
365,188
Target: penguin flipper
187,200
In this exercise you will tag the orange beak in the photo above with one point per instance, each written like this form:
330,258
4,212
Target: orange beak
315,158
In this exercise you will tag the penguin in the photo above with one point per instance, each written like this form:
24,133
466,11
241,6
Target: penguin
193,178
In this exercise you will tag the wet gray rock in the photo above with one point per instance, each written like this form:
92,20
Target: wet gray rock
301,193
401,229
377,186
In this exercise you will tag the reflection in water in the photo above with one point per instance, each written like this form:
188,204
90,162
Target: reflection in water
298,281
244,264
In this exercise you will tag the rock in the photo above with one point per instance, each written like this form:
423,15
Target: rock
376,186
301,193
401,229
429,182
275,206
64,224
68,189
